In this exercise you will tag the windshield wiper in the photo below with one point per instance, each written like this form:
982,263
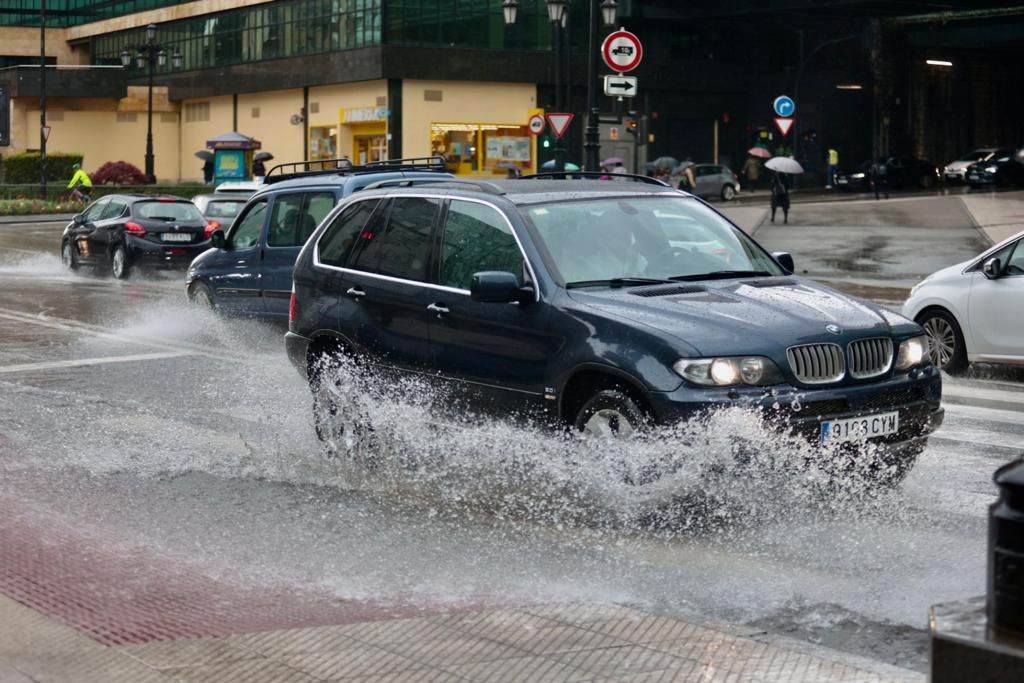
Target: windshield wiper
617,282
720,275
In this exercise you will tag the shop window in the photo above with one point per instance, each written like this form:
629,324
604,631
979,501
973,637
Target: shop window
480,148
323,142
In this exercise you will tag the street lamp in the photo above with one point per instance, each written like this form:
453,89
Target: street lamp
605,10
150,53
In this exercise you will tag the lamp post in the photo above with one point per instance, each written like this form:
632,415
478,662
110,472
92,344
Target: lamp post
557,13
150,54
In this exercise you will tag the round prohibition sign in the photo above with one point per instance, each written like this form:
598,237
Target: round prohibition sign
536,124
622,51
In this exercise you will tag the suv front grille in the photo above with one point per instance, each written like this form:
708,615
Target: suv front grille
817,363
870,357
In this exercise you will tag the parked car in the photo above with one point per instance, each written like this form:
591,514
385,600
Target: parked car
956,171
902,173
246,187
249,270
1004,169
715,180
590,304
971,311
121,231
220,208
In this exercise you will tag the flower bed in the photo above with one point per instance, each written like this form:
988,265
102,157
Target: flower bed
29,207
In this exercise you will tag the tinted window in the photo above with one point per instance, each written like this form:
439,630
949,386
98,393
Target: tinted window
114,209
403,250
284,220
223,209
246,232
476,238
168,211
344,231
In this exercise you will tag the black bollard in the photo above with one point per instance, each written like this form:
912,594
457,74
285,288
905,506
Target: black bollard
1005,600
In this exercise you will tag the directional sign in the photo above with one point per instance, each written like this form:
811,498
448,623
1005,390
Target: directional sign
559,123
783,125
622,51
784,105
620,86
536,124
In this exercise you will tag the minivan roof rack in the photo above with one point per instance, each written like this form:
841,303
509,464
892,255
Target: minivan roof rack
598,175
483,185
344,166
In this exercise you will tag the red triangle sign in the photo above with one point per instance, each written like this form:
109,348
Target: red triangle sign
559,123
783,125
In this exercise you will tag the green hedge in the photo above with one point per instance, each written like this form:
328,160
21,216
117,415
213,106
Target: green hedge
24,168
55,189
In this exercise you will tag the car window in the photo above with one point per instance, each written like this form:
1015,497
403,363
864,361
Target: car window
476,238
113,209
343,232
223,208
94,212
1015,264
284,220
318,205
247,229
168,211
403,249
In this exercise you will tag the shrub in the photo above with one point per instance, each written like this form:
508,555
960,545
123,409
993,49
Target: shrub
24,167
118,173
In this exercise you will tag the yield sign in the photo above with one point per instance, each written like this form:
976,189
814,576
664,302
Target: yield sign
783,125
559,123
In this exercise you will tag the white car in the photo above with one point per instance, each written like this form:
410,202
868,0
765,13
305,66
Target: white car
956,171
974,311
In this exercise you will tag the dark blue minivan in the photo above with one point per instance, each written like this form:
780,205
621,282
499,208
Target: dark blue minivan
249,270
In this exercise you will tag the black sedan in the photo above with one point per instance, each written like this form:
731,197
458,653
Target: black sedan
122,231
901,173
1004,170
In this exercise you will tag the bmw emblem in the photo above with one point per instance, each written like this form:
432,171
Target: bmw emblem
833,329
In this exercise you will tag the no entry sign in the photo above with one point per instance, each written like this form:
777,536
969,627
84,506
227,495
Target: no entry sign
622,51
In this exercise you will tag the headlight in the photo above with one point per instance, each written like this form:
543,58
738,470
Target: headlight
857,175
913,351
991,169
729,371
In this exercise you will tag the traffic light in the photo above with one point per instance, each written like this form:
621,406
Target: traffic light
632,127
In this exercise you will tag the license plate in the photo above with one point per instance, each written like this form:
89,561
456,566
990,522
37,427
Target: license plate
841,181
176,237
860,428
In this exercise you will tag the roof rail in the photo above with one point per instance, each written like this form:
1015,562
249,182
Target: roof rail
483,185
598,175
344,166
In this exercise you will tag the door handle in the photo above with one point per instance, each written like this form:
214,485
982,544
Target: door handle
440,309
355,292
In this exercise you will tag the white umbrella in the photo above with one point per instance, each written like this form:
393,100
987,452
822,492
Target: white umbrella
784,165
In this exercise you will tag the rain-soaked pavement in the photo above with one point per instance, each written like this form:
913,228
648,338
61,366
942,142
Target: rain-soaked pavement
143,428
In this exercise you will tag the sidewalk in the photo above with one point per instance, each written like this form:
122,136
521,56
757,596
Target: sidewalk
35,218
544,643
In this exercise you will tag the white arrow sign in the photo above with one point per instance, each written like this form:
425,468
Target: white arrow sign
620,86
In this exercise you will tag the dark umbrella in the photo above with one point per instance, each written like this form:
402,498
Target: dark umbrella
205,155
667,163
262,156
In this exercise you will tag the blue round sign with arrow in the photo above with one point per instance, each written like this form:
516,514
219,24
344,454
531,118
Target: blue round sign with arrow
784,105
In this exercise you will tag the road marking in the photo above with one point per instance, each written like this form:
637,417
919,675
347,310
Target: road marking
82,362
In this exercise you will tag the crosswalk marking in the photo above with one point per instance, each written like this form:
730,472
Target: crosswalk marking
82,362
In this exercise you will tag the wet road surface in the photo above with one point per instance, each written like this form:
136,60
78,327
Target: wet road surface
137,426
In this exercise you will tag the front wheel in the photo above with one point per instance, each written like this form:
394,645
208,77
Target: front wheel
119,266
728,193
67,256
609,414
946,344
340,417
200,295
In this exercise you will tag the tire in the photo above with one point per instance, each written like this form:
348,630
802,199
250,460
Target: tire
200,295
728,193
67,256
613,414
339,419
945,340
119,266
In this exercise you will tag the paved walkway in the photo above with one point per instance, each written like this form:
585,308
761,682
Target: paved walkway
997,215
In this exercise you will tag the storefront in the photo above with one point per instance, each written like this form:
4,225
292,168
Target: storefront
368,129
484,148
323,142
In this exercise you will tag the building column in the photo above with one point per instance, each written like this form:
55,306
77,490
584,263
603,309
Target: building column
395,118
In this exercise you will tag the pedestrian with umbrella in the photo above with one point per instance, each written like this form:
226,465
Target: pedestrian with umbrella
207,157
752,167
780,193
259,171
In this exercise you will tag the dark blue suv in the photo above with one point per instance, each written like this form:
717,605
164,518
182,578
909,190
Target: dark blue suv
603,306
249,270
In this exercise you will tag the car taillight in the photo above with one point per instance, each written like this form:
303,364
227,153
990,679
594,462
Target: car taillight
210,227
133,228
293,307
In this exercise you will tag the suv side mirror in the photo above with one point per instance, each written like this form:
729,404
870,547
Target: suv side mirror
992,269
217,239
785,260
498,287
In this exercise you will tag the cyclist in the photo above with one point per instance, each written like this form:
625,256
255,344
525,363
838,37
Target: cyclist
82,194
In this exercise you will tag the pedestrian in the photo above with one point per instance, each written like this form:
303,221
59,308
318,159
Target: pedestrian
879,178
833,167
259,171
208,171
780,197
687,180
752,171
84,193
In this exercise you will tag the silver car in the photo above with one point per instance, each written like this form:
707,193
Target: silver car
221,207
716,180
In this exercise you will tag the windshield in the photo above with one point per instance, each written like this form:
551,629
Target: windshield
977,155
636,239
168,211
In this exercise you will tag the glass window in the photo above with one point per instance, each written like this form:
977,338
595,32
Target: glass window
94,212
168,211
284,220
403,250
246,232
224,208
344,231
1015,266
114,209
318,205
476,238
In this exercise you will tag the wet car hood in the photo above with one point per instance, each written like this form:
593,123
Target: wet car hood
726,317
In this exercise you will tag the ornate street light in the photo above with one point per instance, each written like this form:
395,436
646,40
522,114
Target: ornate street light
608,11
150,53
510,7
556,11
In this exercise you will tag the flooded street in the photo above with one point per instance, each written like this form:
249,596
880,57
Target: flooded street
128,416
